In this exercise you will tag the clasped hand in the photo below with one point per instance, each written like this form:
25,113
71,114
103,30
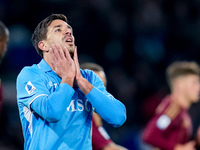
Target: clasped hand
66,67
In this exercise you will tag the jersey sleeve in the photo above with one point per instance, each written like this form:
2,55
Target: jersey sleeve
30,86
32,92
159,130
109,108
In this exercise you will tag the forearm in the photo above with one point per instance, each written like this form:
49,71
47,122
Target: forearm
109,108
53,106
68,80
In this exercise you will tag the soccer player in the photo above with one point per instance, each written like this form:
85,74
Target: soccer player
4,36
100,138
56,98
171,127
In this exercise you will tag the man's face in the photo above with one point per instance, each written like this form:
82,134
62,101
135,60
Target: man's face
3,48
59,32
191,84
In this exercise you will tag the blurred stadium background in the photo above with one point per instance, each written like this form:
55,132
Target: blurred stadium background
134,40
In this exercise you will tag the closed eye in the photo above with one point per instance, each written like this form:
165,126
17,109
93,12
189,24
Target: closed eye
57,30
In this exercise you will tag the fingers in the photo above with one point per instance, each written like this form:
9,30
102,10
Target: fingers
78,73
66,52
52,54
57,52
76,58
75,55
60,51
57,55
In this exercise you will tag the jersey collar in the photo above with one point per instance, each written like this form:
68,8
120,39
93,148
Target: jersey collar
44,66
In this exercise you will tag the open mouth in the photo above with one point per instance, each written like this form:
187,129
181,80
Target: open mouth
69,40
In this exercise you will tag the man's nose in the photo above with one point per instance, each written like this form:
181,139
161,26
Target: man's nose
68,32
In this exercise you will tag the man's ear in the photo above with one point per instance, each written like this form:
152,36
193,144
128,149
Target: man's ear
43,46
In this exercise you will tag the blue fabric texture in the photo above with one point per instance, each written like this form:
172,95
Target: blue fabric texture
57,116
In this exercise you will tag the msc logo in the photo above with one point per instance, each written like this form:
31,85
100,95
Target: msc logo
79,105
29,87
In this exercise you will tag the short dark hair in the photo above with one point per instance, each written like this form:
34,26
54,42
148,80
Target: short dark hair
181,68
41,30
94,67
4,33
91,66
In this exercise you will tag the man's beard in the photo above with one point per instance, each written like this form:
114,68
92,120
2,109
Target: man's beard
71,51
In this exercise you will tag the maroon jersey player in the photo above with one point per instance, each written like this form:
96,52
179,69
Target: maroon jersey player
100,138
171,127
4,36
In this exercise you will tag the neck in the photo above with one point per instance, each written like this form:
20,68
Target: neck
181,100
48,61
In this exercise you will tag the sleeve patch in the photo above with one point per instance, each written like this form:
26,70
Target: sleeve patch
163,122
29,87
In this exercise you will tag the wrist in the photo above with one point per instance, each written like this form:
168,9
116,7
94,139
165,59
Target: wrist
80,80
84,85
68,80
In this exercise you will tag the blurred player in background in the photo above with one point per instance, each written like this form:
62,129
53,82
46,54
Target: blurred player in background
4,36
100,138
171,126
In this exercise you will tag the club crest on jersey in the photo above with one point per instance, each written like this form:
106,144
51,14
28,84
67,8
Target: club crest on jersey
163,122
29,87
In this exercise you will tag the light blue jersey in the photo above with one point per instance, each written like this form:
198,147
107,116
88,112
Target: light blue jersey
56,116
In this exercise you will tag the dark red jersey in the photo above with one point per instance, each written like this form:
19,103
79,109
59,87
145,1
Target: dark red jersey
100,138
171,125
